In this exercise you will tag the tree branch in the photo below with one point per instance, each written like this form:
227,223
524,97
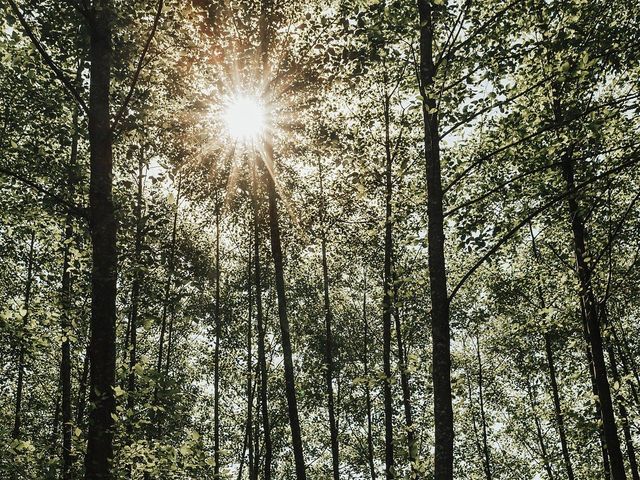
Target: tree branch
139,67
531,216
69,206
59,74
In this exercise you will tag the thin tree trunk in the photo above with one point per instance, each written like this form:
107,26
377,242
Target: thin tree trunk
250,361
172,305
594,390
555,391
328,352
17,419
387,302
82,389
135,300
441,337
485,440
592,320
262,358
278,263
624,415
405,384
536,419
370,452
104,255
216,358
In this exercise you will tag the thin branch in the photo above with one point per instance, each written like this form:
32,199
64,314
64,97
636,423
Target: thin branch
530,217
139,67
69,206
59,74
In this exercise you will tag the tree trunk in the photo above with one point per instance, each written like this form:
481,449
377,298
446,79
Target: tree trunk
441,372
262,357
216,358
485,439
555,391
104,255
404,382
276,249
592,322
249,434
370,455
624,415
172,304
328,351
17,419
536,419
387,302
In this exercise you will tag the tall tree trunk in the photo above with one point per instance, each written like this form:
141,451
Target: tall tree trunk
278,263
328,319
485,439
365,358
82,389
387,302
216,357
592,320
624,415
104,255
404,382
135,300
536,419
17,419
249,433
172,304
262,357
441,372
555,391
65,294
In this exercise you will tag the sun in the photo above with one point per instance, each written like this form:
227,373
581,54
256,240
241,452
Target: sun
245,118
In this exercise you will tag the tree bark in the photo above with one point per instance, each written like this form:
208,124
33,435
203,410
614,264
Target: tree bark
485,439
276,249
594,335
328,348
536,419
216,354
387,302
17,419
103,226
405,384
370,456
262,358
555,391
441,372
249,434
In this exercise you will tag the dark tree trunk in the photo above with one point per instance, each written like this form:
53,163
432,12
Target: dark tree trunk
172,304
536,419
328,348
443,410
387,302
135,301
82,389
17,419
624,415
365,358
276,249
592,323
405,384
555,391
104,255
249,433
216,355
485,439
262,357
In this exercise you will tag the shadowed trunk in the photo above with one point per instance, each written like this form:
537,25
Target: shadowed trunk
17,419
441,371
262,357
328,349
365,358
103,223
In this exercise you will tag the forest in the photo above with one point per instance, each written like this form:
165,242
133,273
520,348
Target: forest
321,239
